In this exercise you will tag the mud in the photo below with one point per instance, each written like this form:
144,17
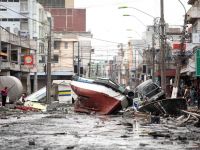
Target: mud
62,130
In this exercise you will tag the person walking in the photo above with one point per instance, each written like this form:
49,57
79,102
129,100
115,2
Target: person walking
187,95
193,95
4,94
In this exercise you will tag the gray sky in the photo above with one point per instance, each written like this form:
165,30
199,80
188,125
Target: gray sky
106,21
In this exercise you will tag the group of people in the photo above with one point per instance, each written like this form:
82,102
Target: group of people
191,95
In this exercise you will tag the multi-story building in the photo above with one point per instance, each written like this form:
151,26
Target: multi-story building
13,50
190,69
26,21
70,39
135,58
66,17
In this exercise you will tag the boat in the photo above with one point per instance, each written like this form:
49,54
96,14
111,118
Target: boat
102,96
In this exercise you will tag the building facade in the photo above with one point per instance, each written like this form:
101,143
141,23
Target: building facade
28,22
70,39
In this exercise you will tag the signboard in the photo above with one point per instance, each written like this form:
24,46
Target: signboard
197,57
28,60
178,46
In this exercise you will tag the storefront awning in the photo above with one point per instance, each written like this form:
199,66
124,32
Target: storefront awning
168,73
189,68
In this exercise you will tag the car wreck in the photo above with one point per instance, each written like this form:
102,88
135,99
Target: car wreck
149,97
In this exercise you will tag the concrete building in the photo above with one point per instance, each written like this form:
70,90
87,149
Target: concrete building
135,58
70,39
190,69
28,21
13,51
66,47
66,17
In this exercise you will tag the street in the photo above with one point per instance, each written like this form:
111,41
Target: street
63,130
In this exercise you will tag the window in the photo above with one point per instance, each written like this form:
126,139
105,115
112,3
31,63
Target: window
53,3
24,5
24,24
14,57
55,59
41,48
15,19
66,45
10,19
42,59
3,9
56,44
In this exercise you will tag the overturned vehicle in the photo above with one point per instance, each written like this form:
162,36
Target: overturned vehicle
149,97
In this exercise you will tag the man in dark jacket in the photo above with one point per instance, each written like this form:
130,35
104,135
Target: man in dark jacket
4,94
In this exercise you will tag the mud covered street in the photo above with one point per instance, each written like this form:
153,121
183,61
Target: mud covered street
68,130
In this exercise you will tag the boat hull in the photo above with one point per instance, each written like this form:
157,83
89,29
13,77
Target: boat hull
97,98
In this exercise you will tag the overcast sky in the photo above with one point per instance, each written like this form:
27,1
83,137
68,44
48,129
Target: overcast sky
106,21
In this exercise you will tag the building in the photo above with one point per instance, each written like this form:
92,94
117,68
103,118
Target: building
25,21
190,69
70,39
135,58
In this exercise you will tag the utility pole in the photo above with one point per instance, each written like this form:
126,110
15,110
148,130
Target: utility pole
0,35
90,63
162,47
180,58
78,66
48,86
153,51
120,63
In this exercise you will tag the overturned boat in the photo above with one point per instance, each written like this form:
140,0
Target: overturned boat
102,96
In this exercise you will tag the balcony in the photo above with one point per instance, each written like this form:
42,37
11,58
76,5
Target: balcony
14,39
193,14
10,66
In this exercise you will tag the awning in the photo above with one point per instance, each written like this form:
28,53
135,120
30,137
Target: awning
190,67
168,73
56,73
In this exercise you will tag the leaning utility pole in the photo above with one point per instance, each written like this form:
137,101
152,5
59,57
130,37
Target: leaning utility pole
180,58
162,47
48,84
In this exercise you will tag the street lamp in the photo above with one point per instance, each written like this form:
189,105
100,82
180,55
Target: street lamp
153,36
127,15
124,7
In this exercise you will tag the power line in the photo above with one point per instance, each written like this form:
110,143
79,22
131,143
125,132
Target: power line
49,25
